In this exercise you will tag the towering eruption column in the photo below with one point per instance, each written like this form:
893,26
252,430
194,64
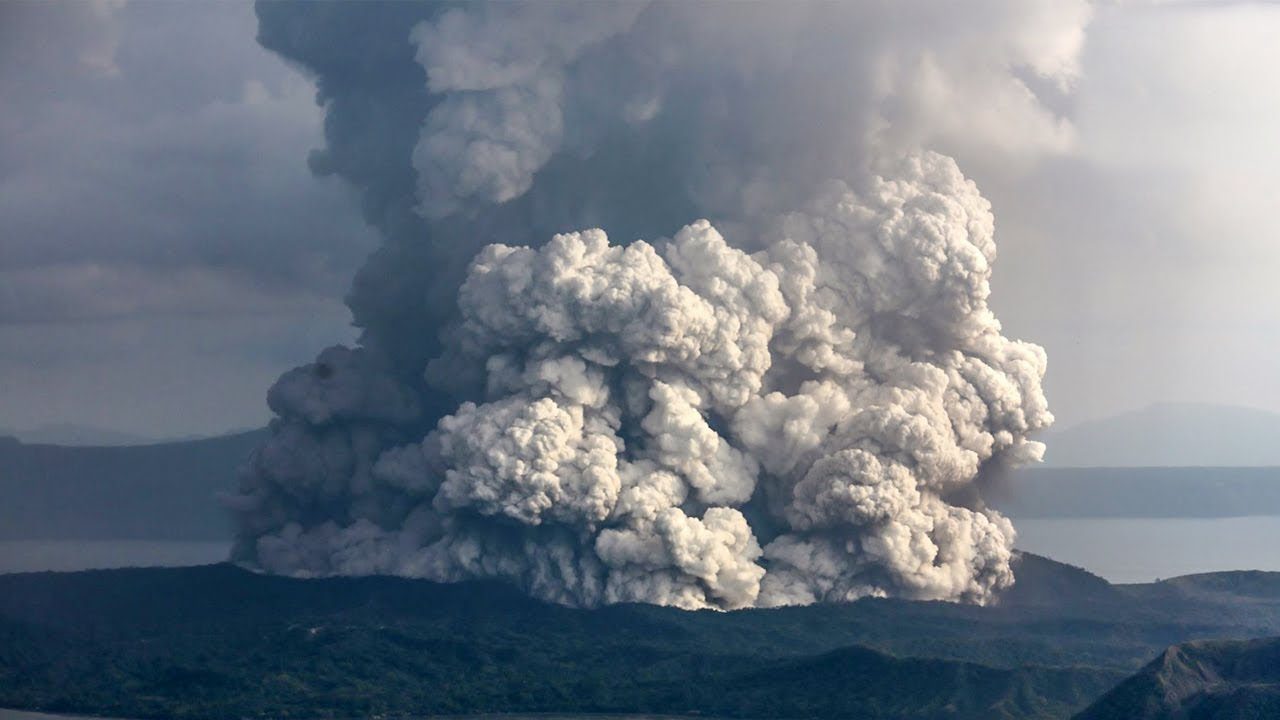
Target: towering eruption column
785,395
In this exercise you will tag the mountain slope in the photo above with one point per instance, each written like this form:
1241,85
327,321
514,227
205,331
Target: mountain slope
220,642
856,682
1224,680
217,641
1170,435
162,491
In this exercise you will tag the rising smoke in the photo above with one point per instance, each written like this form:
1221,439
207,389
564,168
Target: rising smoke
792,400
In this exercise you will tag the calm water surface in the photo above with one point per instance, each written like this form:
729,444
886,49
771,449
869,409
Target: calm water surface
1132,550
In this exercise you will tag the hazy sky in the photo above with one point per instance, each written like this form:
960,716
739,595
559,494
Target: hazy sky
165,253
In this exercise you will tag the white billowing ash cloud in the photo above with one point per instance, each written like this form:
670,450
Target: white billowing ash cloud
789,402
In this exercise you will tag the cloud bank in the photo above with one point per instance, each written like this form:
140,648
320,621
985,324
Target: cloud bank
789,392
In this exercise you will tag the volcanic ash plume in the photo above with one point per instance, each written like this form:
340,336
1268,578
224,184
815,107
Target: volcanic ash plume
790,406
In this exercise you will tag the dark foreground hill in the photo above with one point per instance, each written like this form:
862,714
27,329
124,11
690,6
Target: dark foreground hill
1219,679
220,642
163,491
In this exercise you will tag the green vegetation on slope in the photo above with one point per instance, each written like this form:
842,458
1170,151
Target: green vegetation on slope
219,642
1219,679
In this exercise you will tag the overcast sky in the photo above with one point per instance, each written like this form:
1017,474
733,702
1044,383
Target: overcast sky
165,253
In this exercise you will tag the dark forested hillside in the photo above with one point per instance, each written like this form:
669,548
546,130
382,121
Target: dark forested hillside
217,641
1222,680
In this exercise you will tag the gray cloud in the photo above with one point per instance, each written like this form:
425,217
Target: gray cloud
142,163
153,185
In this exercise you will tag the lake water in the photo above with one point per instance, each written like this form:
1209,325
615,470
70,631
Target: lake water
1122,550
1131,550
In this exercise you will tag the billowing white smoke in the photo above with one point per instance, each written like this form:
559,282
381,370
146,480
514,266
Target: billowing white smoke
792,404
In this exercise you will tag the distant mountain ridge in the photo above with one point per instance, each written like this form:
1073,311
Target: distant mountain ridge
77,435
1170,435
71,434
166,491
